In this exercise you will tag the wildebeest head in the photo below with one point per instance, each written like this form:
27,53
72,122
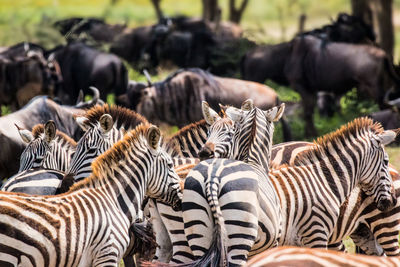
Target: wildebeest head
132,96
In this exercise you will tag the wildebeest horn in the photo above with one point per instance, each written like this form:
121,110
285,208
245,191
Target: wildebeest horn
148,78
51,57
38,55
96,95
80,97
395,102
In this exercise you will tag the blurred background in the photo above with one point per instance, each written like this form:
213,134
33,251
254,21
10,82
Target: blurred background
261,22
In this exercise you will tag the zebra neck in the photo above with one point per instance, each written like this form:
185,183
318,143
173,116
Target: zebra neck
124,183
340,177
260,142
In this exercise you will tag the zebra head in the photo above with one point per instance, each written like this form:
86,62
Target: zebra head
34,154
252,133
220,134
163,183
375,176
98,138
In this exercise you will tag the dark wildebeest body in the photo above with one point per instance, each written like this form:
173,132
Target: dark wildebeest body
25,73
83,66
97,29
346,29
181,41
309,65
39,110
177,99
389,118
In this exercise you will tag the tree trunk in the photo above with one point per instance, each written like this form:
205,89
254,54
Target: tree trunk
211,10
157,7
378,14
235,14
302,23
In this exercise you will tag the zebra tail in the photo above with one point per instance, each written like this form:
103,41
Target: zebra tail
217,253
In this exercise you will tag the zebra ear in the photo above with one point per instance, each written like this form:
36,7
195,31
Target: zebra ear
275,113
208,113
106,123
26,135
247,105
81,121
387,137
153,137
49,131
235,114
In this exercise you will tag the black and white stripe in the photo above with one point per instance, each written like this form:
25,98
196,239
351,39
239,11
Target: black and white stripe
47,148
313,193
235,196
89,225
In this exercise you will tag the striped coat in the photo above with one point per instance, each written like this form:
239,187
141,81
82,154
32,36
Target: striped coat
300,257
315,232
88,226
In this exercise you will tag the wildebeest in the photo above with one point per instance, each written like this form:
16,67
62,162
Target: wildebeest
346,29
25,73
83,66
39,110
96,28
390,117
308,65
177,99
180,41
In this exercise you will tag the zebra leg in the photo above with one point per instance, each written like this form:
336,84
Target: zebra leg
388,240
316,237
242,226
173,222
365,241
163,251
339,246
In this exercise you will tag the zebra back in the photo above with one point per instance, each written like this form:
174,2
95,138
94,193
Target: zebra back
47,148
38,181
299,257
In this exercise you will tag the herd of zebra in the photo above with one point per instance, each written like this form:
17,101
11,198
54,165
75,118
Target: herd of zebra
217,193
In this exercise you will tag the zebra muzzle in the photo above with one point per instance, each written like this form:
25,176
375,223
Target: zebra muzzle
207,152
386,203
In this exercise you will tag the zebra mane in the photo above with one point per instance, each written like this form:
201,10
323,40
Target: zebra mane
324,143
171,144
113,156
38,130
123,117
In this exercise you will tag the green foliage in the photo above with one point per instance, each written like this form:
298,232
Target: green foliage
5,110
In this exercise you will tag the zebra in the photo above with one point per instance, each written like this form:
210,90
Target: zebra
374,231
286,154
254,197
361,141
104,126
299,257
188,141
88,226
38,181
45,144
